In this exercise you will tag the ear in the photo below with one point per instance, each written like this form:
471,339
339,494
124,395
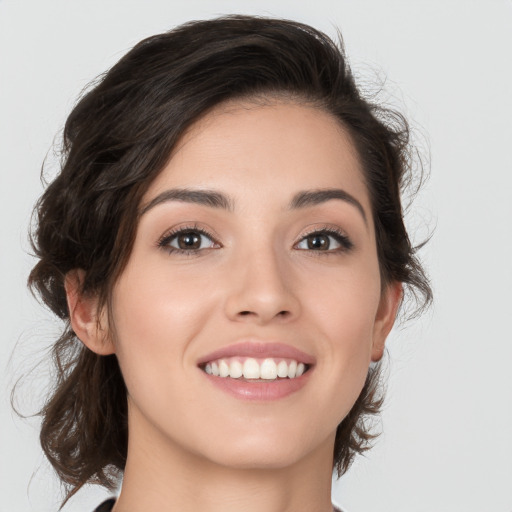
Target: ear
386,314
89,324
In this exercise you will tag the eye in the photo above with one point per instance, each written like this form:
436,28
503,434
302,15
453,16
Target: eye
325,240
187,240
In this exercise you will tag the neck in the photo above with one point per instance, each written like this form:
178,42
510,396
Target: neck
161,476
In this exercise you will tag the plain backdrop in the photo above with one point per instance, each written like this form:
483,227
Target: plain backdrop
447,424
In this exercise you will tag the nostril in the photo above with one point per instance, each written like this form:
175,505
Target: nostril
281,313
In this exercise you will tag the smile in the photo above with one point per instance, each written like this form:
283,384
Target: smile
255,368
258,371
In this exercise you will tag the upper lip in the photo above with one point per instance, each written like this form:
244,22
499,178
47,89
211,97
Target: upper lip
258,349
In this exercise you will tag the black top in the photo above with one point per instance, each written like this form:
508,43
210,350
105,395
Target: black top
106,506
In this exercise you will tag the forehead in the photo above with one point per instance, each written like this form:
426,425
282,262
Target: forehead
274,148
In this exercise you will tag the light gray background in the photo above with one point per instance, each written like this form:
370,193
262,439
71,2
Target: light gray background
447,442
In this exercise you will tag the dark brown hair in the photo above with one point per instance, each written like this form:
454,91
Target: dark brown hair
119,137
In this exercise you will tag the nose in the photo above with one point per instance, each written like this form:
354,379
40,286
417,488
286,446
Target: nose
261,289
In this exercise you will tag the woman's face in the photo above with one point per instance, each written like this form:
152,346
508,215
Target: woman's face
255,252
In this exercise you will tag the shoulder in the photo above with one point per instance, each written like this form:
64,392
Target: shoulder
106,506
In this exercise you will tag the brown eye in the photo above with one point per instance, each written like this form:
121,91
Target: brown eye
326,240
188,240
318,242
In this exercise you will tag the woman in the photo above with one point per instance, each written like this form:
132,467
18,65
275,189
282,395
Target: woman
225,244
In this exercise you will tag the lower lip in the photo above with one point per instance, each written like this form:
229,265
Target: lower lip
259,390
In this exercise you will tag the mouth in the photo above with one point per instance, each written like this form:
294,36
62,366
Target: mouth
258,371
255,369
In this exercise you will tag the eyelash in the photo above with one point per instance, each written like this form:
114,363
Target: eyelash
169,236
346,244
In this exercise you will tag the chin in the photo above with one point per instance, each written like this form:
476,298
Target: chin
263,457
264,449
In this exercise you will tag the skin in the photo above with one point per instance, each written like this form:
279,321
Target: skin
191,446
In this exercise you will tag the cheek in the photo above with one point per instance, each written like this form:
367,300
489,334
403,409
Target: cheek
345,304
156,315
345,320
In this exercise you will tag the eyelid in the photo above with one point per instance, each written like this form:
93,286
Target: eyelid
340,235
164,240
344,241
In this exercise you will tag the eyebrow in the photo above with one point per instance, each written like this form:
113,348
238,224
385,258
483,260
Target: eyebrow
215,199
209,198
308,198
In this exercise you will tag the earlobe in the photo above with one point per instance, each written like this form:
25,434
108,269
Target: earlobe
385,318
89,324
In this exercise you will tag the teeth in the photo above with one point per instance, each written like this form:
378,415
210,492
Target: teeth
250,368
292,369
223,368
268,369
235,369
282,369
